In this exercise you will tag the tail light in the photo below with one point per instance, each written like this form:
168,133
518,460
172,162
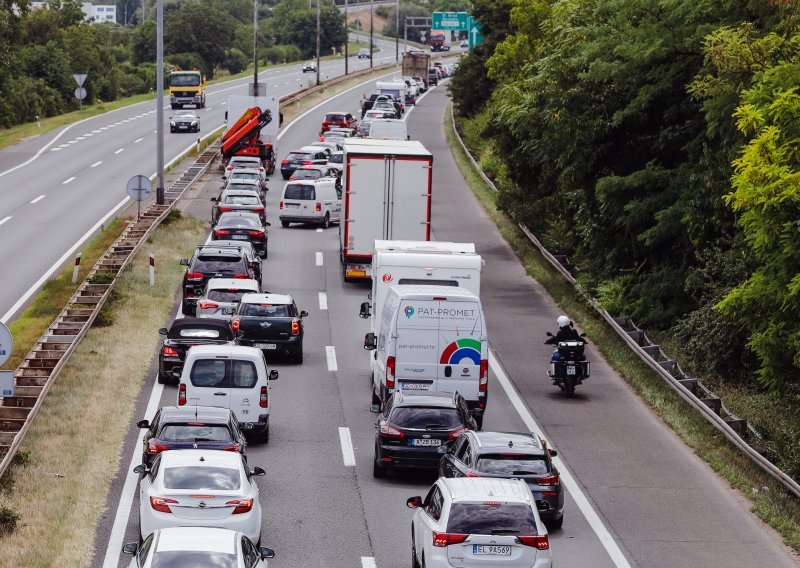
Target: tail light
262,400
307,163
261,169
387,431
319,206
457,433
259,234
153,447
549,480
208,306
222,233
280,205
471,474
235,326
258,210
441,539
170,352
295,327
484,381
194,276
242,505
390,373
542,541
241,276
162,505
233,448
182,394
285,162
225,208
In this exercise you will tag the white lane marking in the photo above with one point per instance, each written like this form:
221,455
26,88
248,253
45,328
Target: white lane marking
63,145
224,102
4,220
209,108
37,200
138,140
66,181
319,258
368,562
120,150
155,131
81,138
95,131
96,164
608,542
87,135
56,149
323,301
330,355
72,142
319,230
348,455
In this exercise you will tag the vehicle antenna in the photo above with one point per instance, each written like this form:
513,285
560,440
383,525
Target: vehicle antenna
510,443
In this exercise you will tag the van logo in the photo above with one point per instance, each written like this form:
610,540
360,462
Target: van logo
245,401
409,311
387,277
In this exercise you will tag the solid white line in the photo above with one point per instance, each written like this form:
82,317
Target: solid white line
319,258
319,230
608,542
120,150
368,562
96,164
323,301
138,140
330,354
348,455
4,220
66,181
56,149
38,199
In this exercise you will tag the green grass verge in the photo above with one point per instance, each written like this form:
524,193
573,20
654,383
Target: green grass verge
770,501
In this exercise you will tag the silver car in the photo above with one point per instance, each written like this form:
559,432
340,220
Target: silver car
222,295
250,174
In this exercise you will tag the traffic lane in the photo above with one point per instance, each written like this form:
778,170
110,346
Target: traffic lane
659,499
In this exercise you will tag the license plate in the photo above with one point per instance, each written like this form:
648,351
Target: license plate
425,442
265,345
292,205
491,550
415,386
570,369
239,237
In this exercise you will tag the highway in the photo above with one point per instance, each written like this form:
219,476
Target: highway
58,188
637,495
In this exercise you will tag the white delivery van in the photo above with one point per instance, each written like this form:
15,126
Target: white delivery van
388,129
387,195
431,338
229,376
317,201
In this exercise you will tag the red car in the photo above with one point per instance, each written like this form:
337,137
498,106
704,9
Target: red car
340,119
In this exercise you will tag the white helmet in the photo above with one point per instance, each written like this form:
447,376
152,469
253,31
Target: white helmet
563,321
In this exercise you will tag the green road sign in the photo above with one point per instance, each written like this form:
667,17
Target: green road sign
474,34
453,21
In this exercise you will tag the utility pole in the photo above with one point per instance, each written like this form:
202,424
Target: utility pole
255,49
397,33
371,25
160,101
318,32
346,36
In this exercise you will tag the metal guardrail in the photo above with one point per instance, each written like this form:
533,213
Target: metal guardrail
690,389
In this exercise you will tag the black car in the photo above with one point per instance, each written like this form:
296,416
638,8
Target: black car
250,253
183,334
241,226
509,455
209,262
303,157
191,427
412,427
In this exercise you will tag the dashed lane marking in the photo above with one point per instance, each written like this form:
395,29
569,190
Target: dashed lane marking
330,355
323,301
38,199
348,455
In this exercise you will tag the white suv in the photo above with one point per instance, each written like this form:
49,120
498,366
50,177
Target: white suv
476,522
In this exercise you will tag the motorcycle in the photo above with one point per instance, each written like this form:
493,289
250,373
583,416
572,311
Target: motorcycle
569,368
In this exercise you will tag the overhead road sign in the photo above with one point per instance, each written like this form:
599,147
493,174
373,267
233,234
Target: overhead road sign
453,21
474,34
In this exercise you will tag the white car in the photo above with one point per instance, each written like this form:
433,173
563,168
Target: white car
222,295
252,174
250,162
478,521
200,488
197,546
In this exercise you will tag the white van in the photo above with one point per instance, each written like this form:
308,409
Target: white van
388,129
311,201
431,338
233,377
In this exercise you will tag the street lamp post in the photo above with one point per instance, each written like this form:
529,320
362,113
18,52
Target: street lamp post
318,33
160,101
371,25
397,33
346,36
255,48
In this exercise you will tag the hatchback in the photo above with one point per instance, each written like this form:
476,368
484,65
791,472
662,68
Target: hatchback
183,334
242,226
306,156
212,262
234,200
222,295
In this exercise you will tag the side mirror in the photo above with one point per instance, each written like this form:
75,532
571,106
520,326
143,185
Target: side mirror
130,548
375,408
258,471
143,424
414,502
548,334
267,224
213,222
553,452
370,343
141,469
184,262
264,551
163,330
304,314
213,200
583,335
364,313
441,450
273,375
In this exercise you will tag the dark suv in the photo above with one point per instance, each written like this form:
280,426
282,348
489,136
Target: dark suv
509,455
412,428
209,262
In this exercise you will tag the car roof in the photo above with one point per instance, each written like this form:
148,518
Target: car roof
224,350
236,283
481,488
223,244
216,250
428,398
204,458
246,171
231,217
338,112
245,158
199,539
266,299
206,323
198,413
492,441
312,148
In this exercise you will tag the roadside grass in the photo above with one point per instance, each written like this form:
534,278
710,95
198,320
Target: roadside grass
75,442
770,501
34,321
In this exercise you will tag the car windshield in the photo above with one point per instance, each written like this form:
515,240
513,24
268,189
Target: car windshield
217,264
425,418
245,163
202,477
227,295
305,174
266,310
242,200
299,156
193,559
301,192
195,432
334,117
336,159
184,80
512,464
492,517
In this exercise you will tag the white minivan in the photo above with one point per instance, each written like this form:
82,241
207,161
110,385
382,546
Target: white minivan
431,338
233,377
388,129
317,201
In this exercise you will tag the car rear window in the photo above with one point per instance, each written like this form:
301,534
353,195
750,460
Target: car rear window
202,477
299,156
306,174
195,433
218,264
242,200
266,310
425,417
333,117
242,186
227,295
193,559
491,517
190,333
512,464
223,373
245,175
301,192
336,159
239,221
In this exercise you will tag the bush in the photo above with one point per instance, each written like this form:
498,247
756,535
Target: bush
8,520
283,54
235,61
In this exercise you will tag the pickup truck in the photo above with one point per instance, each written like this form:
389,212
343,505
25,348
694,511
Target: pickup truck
270,322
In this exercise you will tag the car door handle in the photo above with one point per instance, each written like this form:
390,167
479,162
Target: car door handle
220,393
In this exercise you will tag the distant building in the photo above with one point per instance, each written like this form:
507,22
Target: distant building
98,13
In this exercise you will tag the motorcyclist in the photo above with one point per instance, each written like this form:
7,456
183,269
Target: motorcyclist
566,332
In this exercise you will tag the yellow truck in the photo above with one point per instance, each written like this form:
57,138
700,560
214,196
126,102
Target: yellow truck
187,88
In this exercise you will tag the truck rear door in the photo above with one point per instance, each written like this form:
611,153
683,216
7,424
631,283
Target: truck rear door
365,204
417,346
409,209
460,347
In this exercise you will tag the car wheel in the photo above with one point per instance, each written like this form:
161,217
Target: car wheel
414,561
161,379
284,176
378,471
555,523
375,398
264,437
298,357
263,253
188,309
284,224
326,222
479,422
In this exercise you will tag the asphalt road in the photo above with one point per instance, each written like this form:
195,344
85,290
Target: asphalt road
636,488
59,187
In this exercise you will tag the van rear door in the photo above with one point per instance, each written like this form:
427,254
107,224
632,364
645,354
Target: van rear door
417,345
460,348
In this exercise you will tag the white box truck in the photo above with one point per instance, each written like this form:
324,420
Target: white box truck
431,338
387,195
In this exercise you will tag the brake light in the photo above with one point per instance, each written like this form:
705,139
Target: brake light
446,539
235,326
258,210
182,394
225,208
261,169
242,505
280,205
542,541
549,480
295,327
285,162
319,206
170,352
387,431
457,433
307,163
153,447
258,234
241,276
471,474
221,233
208,306
484,380
262,400
390,373
162,505
233,448
194,276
